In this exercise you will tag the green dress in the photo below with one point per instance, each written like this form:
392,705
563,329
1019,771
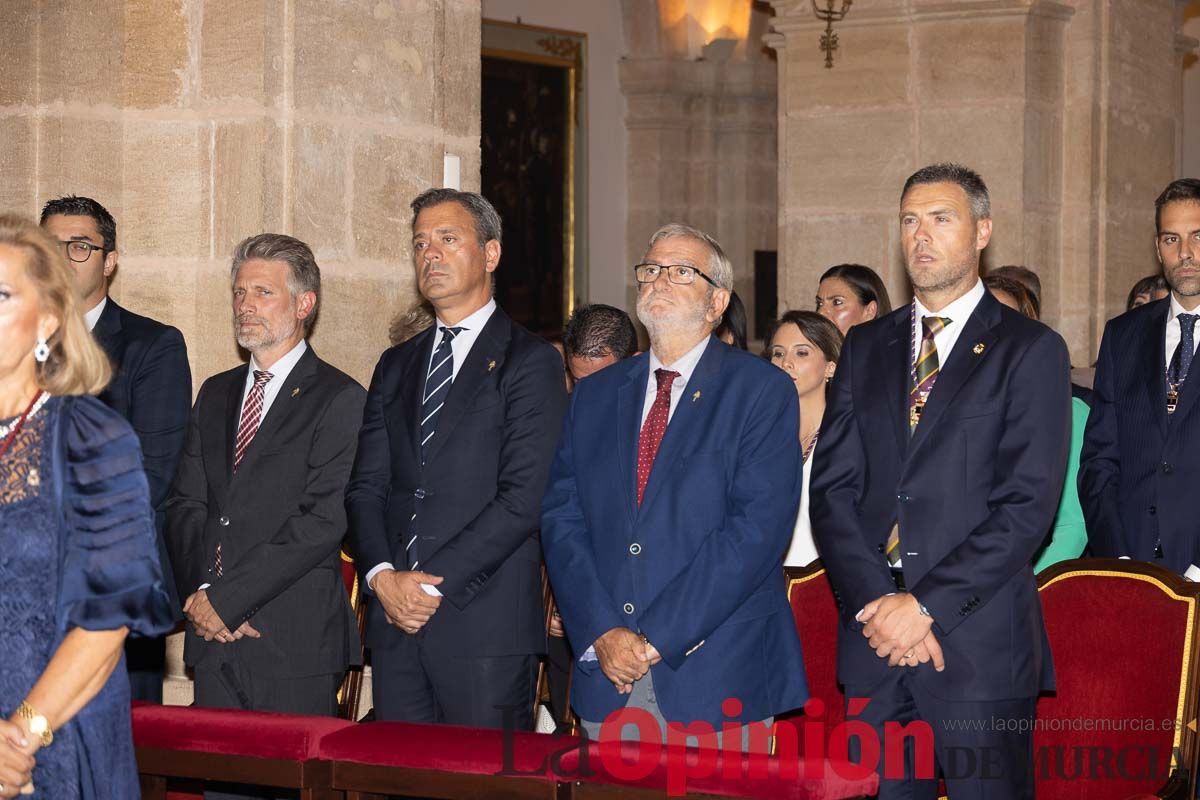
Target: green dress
1069,535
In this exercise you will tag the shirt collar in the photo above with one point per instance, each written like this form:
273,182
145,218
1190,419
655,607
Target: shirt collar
685,365
1177,308
959,310
474,321
283,367
93,316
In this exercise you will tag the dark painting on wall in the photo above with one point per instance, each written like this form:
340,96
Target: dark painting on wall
525,144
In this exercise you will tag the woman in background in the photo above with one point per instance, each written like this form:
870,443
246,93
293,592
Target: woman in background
80,565
850,294
806,346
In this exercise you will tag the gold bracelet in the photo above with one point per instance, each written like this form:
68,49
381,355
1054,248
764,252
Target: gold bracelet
38,725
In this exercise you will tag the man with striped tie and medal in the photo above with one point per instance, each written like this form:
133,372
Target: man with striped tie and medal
256,516
1139,457
456,442
942,452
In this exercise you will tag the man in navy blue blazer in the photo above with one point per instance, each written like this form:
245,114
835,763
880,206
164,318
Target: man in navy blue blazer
151,388
937,476
1140,453
672,499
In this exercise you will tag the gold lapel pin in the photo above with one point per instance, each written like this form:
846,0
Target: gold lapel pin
696,396
979,348
296,392
491,365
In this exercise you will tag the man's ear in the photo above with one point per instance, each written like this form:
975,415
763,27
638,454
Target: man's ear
306,302
717,305
491,252
983,233
110,263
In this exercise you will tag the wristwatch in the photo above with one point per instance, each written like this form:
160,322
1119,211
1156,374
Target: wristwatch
39,726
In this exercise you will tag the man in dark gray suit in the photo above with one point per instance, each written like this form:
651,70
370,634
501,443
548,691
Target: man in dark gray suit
256,517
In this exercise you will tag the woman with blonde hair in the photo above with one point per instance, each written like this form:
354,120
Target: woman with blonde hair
80,566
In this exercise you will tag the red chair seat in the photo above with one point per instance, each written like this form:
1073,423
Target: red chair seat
448,748
251,734
669,770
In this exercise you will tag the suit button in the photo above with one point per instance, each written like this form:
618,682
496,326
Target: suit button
419,494
635,548
879,547
902,497
1153,510
629,608
223,522
1166,468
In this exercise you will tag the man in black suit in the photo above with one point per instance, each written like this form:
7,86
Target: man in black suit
458,433
1139,454
151,387
256,518
942,453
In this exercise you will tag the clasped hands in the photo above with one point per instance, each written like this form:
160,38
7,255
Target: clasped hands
625,657
207,622
897,630
17,747
405,603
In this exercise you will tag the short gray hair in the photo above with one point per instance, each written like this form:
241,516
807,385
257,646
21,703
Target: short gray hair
720,269
303,273
487,219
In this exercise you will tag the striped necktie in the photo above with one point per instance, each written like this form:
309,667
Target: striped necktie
437,387
925,374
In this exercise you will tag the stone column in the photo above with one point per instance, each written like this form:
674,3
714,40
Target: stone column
701,146
1070,111
200,122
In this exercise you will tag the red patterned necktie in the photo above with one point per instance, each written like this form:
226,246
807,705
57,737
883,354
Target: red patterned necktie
653,429
251,417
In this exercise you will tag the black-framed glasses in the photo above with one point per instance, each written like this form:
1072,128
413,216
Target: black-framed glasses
680,274
79,251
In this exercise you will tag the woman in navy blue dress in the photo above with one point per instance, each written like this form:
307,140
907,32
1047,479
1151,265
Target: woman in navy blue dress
78,563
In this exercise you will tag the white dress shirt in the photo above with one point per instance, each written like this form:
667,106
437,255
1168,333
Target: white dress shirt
279,375
803,549
1175,329
957,312
93,316
685,365
460,347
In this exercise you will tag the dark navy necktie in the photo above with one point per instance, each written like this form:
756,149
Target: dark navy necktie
1181,361
437,387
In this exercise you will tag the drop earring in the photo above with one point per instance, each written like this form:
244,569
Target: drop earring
42,351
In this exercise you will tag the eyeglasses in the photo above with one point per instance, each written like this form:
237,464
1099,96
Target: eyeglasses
679,274
79,251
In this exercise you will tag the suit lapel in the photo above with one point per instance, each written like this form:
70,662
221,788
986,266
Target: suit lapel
108,327
631,398
692,407
897,358
290,394
1154,343
233,412
486,356
966,356
412,388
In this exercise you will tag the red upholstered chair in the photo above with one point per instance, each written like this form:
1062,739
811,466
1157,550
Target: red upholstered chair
381,759
1124,636
208,744
351,689
816,617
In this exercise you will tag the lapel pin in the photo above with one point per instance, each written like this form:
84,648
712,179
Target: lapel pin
696,396
979,348
296,392
491,365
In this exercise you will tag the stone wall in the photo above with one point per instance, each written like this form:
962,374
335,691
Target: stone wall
200,122
1070,111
